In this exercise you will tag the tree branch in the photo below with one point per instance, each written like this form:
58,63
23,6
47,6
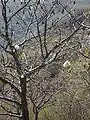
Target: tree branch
45,33
8,111
12,115
13,86
40,40
9,100
33,70
63,41
18,11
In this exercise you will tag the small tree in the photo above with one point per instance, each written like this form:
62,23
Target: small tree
37,24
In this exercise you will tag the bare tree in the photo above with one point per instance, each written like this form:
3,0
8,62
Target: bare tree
29,42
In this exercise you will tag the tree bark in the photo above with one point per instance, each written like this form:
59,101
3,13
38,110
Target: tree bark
36,116
24,108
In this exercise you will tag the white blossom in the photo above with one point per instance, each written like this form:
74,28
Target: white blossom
22,76
41,1
13,50
16,47
21,0
69,15
19,82
30,68
24,57
66,64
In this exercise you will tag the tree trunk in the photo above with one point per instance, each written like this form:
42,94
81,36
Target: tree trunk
24,105
36,116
